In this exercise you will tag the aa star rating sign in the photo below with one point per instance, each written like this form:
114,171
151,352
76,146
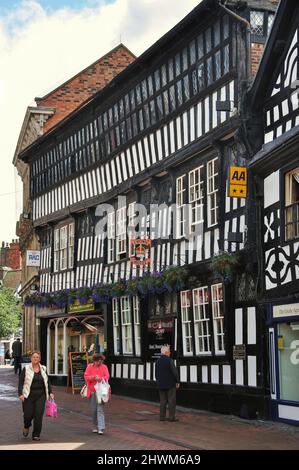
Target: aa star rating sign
237,181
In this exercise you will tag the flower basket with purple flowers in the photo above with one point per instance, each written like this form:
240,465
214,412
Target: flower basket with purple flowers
101,293
84,294
118,289
175,278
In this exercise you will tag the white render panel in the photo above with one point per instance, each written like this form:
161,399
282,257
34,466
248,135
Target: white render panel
140,371
204,374
271,189
226,373
251,325
239,372
215,374
125,371
239,326
251,371
193,373
183,373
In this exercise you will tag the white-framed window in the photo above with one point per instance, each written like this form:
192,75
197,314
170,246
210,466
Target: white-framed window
212,191
126,325
56,250
116,328
111,237
64,247
180,200
218,318
121,232
201,320
131,224
186,322
137,329
71,244
196,197
292,204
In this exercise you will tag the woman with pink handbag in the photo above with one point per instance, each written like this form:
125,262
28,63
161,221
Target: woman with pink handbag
96,373
34,390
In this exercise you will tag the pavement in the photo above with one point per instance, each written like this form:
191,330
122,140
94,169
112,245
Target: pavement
134,425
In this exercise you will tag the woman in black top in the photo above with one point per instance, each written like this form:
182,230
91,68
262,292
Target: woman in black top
34,390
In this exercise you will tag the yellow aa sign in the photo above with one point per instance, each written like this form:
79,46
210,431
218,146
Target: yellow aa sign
238,175
237,181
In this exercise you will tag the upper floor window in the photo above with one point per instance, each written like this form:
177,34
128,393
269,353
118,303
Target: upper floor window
257,22
212,190
261,22
64,247
194,196
121,233
292,204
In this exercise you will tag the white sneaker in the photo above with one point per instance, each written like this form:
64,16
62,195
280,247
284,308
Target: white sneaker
100,432
94,430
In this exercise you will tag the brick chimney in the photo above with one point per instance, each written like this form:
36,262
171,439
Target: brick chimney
14,255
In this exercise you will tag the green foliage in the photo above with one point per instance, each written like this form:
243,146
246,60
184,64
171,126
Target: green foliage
10,313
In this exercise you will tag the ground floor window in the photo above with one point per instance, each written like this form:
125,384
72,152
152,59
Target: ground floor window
72,334
126,325
202,320
288,360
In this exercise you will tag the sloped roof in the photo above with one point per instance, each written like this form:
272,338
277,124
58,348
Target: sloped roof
12,279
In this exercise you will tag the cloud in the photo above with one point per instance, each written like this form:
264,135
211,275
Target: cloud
41,48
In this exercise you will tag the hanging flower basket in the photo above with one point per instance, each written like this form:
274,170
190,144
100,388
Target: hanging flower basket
60,299
101,293
225,265
132,286
158,282
118,289
72,296
84,295
175,278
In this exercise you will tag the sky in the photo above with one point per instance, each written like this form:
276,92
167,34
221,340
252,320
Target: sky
45,42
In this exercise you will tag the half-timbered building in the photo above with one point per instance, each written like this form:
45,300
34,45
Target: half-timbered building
163,133
275,137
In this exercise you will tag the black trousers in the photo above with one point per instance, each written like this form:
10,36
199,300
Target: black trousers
33,408
17,365
167,397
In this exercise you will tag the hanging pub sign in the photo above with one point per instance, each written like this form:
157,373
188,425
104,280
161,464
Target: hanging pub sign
238,181
140,252
160,333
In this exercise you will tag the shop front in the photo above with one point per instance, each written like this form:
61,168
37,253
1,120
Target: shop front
284,362
77,330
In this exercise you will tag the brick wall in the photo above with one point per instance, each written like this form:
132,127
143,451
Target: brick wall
256,55
67,97
14,255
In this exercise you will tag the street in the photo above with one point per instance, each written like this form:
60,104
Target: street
133,424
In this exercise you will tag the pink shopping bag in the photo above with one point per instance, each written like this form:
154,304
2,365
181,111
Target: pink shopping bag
51,409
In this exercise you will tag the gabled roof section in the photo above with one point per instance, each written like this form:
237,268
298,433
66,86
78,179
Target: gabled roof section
274,50
206,8
71,94
32,127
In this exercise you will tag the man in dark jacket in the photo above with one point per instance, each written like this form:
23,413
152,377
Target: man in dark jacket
17,355
168,381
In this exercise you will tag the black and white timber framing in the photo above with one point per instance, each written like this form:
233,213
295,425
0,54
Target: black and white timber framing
153,126
274,166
